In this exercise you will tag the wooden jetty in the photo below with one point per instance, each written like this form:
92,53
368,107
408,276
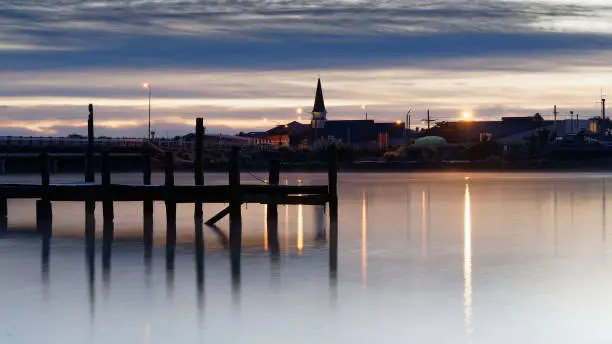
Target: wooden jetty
234,193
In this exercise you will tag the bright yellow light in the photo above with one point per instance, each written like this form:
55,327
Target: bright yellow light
300,110
467,115
146,85
398,122
363,107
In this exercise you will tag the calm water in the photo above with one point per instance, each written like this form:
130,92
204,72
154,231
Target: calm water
423,258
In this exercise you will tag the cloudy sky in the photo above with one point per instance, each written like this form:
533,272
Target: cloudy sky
237,62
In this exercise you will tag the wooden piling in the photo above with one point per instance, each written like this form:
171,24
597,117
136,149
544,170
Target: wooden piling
108,231
3,215
272,210
333,209
147,209
235,214
45,176
90,206
89,158
170,212
198,211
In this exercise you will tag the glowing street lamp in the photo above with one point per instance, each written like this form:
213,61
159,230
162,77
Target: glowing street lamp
148,86
365,109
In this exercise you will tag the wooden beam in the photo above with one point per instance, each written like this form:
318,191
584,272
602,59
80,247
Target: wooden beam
223,213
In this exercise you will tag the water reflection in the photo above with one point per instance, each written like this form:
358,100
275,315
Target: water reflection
300,229
603,210
286,229
265,227
424,223
555,218
467,261
364,239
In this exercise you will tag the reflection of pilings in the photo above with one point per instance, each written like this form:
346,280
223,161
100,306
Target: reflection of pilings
467,261
364,239
44,216
108,231
320,223
170,212
333,211
91,283
235,215
90,231
272,212
147,212
170,224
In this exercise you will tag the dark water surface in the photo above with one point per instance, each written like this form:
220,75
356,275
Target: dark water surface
423,258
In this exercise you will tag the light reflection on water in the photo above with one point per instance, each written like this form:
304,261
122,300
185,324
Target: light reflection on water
467,260
501,258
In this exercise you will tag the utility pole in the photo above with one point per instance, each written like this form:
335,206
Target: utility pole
428,120
603,113
555,121
603,106
407,129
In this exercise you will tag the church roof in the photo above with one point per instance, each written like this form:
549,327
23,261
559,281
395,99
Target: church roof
319,105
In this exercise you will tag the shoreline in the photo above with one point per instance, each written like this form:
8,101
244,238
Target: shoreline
369,167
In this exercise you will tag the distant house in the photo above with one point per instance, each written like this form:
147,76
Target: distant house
508,130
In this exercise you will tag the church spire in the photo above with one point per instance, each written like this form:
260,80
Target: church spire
319,105
319,114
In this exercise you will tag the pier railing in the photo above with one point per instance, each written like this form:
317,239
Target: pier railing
34,141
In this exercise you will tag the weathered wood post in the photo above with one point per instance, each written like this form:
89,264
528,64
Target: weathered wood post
235,213
108,231
89,158
44,215
3,215
333,209
170,211
90,205
147,209
198,211
272,211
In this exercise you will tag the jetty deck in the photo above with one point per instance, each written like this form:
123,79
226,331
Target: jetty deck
234,193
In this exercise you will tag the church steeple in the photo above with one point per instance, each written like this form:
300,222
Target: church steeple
319,114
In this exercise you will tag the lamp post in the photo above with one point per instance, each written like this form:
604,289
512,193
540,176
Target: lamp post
148,86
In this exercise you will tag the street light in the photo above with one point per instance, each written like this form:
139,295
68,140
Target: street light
148,86
365,109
